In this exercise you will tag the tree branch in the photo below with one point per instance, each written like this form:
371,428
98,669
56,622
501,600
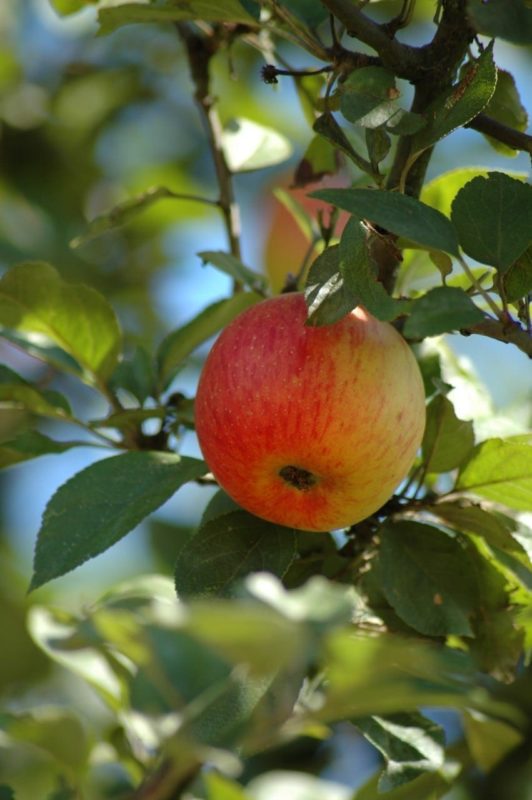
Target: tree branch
200,49
517,140
401,58
508,333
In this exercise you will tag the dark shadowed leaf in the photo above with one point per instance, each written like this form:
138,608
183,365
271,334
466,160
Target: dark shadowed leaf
448,440
6,792
518,278
32,444
136,374
327,295
319,159
359,273
179,344
368,96
426,579
410,743
107,500
227,548
441,310
35,299
327,127
500,470
507,19
167,11
505,106
492,216
397,213
460,103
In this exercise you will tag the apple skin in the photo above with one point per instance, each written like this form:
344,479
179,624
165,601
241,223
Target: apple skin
338,410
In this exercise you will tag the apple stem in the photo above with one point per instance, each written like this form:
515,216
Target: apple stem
299,478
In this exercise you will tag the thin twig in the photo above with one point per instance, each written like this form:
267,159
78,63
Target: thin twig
200,49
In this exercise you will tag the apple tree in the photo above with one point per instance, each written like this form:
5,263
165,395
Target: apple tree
357,152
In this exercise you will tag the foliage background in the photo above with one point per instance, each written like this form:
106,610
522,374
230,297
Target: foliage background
86,123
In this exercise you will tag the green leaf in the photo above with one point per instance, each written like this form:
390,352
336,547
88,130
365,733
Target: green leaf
45,404
32,444
359,273
518,278
309,12
35,299
397,213
368,96
136,374
319,159
66,7
460,103
107,500
221,788
441,191
56,732
249,146
327,126
6,792
378,144
219,504
405,123
327,296
448,440
179,344
227,263
425,578
227,548
124,212
505,106
506,19
489,740
500,470
167,11
492,527
39,346
410,743
492,216
441,310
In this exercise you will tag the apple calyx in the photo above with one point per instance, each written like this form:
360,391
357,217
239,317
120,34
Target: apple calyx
299,478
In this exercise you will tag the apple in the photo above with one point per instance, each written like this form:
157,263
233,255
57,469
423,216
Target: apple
309,427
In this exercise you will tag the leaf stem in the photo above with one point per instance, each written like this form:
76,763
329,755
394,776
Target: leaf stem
480,290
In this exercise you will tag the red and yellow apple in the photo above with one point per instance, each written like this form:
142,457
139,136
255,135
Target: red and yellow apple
309,427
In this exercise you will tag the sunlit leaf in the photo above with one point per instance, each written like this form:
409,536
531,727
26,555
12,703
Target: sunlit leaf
34,298
492,216
500,470
249,146
107,500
